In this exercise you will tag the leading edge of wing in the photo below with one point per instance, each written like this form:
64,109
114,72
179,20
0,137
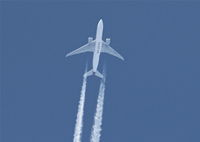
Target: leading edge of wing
109,50
89,47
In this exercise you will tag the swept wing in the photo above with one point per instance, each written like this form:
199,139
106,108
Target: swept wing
89,47
109,50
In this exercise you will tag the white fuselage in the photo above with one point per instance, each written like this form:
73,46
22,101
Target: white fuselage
98,45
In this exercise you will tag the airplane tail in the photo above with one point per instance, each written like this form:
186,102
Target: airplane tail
97,73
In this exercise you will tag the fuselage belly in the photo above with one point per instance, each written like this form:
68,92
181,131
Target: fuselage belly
98,45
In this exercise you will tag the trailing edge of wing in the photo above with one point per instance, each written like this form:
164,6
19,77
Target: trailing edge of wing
107,49
89,47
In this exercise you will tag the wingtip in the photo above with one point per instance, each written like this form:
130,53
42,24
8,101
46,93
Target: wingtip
122,58
67,55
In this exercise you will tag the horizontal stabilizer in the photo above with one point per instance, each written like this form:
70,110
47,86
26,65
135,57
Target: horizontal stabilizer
98,74
91,72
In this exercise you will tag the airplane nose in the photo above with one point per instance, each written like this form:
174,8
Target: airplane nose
100,22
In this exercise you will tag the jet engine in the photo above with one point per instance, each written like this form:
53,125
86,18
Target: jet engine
107,41
90,39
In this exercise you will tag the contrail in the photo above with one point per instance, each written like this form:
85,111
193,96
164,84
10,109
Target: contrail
79,119
96,129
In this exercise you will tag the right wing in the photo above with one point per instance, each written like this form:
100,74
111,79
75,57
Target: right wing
89,47
109,50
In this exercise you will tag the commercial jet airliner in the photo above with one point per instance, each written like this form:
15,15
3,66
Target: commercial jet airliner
96,46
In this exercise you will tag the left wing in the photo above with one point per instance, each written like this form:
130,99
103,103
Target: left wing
107,49
89,47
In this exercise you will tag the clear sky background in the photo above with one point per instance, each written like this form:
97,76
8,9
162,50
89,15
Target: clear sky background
153,96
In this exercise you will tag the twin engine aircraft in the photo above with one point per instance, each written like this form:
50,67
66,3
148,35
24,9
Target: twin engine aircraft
97,46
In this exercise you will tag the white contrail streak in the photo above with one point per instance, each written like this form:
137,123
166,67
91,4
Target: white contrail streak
79,119
96,130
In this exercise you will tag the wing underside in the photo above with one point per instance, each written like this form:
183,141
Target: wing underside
109,50
89,47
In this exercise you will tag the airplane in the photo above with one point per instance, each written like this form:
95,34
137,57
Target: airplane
97,46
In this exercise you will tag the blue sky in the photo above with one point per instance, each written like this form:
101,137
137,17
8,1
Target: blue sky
152,96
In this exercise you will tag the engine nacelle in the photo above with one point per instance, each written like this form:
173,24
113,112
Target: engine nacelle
107,41
90,39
